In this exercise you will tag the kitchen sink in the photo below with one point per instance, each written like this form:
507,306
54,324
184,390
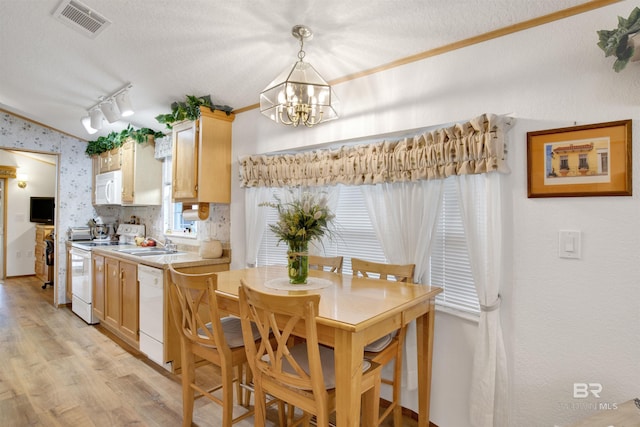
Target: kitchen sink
148,251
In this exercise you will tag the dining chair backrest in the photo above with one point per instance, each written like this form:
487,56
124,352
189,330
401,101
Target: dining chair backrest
332,264
195,308
401,272
270,358
302,374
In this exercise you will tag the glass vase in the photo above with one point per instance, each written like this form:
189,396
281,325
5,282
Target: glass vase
298,262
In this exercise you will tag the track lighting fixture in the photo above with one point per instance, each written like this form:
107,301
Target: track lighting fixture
112,108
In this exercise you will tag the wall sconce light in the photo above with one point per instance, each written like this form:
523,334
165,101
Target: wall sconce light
22,180
112,108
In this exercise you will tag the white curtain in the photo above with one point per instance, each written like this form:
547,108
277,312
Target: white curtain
489,383
254,219
403,216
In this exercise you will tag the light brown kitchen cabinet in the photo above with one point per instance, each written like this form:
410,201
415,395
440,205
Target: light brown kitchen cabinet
121,299
141,174
112,293
109,160
202,158
98,283
41,268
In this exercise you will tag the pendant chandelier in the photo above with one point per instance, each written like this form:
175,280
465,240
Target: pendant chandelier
299,95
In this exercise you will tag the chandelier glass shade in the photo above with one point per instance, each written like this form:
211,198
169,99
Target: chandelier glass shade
299,95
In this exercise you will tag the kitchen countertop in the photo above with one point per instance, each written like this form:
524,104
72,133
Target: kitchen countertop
179,260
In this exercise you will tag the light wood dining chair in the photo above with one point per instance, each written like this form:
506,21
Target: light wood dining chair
302,374
205,334
390,347
332,264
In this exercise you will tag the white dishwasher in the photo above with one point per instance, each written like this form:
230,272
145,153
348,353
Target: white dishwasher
151,282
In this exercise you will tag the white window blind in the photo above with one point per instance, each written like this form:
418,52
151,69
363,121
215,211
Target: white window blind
355,238
450,268
354,235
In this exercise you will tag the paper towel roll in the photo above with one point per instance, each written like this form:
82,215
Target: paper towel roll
190,215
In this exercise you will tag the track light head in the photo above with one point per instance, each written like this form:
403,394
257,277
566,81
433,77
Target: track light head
96,118
124,103
86,122
110,111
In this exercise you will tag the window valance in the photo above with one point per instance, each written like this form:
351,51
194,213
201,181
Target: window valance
474,147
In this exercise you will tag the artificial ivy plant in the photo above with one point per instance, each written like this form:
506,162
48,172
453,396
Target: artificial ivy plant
616,41
190,109
116,139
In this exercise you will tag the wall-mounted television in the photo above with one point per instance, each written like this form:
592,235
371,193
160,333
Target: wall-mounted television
42,210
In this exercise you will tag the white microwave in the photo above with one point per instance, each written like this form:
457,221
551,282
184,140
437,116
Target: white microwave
108,188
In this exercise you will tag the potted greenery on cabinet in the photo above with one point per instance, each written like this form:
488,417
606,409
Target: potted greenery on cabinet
622,42
116,139
190,110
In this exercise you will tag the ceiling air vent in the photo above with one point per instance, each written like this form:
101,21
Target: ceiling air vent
81,18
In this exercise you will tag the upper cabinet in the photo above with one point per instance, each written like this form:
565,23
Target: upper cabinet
109,160
202,158
141,172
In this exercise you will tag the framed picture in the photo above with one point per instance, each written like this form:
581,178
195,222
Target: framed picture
589,160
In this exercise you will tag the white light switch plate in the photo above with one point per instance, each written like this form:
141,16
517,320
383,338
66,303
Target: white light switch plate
569,244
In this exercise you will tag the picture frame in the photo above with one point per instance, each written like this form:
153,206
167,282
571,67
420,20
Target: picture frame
578,161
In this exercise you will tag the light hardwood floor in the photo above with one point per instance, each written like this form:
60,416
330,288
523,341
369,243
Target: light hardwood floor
56,370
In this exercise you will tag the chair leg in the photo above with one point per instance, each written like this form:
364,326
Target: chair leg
226,372
397,379
371,405
239,373
260,414
188,378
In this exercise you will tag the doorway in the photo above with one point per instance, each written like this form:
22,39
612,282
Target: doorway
36,176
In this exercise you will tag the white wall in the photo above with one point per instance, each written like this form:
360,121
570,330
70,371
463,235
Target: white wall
564,321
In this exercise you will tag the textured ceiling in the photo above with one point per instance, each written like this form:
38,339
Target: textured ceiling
231,50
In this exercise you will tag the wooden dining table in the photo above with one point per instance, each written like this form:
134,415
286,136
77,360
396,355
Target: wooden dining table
353,312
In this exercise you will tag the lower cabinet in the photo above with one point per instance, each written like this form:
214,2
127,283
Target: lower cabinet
120,305
142,319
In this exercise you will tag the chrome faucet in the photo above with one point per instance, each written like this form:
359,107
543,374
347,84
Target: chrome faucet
170,246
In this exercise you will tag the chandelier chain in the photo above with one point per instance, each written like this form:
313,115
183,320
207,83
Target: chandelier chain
301,52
